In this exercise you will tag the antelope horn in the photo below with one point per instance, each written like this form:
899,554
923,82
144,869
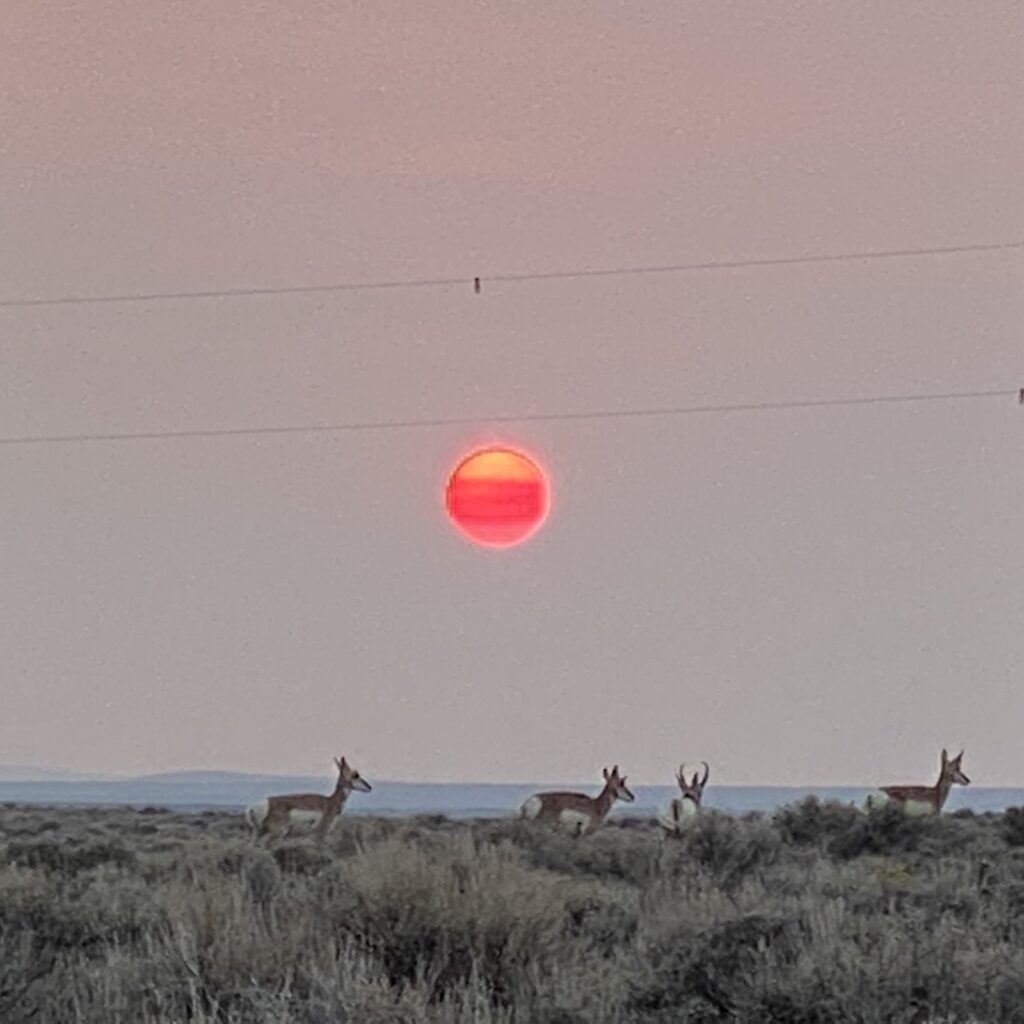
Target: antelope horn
707,772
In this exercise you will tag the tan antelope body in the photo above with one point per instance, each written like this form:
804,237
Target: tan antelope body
925,799
577,813
276,814
679,812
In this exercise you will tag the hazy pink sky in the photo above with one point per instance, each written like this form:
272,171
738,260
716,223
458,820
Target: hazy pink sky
816,596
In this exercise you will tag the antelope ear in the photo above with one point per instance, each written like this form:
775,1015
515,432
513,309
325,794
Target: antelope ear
604,772
695,780
945,756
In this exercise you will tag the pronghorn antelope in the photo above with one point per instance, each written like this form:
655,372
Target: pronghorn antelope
925,799
577,812
278,813
681,810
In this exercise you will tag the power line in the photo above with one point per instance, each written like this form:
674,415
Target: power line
462,421
478,281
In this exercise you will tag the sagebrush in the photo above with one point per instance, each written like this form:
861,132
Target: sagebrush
818,913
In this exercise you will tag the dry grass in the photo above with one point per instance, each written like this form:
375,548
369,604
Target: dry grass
819,914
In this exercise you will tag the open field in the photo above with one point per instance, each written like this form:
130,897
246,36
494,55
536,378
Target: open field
815,914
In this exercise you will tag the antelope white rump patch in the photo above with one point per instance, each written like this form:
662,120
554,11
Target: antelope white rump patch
531,807
256,813
677,814
876,800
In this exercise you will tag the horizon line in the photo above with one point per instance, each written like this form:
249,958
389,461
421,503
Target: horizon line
65,776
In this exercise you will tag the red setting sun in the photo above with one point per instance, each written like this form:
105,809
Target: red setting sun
497,497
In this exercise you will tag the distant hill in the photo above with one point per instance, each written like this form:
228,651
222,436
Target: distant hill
30,773
201,776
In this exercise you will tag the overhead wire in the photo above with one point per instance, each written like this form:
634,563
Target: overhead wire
478,281
554,417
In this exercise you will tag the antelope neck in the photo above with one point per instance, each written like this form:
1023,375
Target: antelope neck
339,796
604,800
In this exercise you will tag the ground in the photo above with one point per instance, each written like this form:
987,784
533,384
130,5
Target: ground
818,913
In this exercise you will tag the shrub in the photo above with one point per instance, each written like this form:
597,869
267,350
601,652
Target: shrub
298,858
445,920
811,822
813,915
703,971
58,855
731,850
1013,826
883,830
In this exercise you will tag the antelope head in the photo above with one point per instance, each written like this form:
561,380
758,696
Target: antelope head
349,778
951,771
694,789
616,784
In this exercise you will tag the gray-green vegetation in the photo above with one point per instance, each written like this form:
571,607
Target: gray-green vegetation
818,913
